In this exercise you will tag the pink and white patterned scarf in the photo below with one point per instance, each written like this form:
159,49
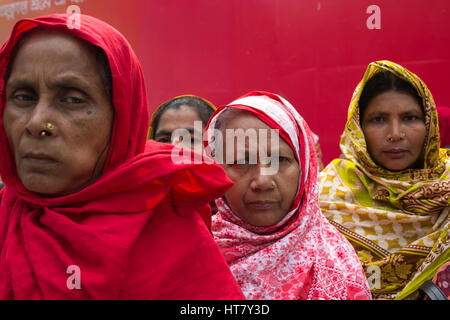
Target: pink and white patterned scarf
302,256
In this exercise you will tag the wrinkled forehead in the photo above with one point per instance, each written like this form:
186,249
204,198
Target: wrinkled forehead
48,40
277,114
274,110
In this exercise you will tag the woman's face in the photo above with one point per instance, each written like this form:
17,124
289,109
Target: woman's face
184,117
394,129
260,200
54,79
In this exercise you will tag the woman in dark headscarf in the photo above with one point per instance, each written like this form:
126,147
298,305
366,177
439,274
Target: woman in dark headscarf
181,112
90,211
187,113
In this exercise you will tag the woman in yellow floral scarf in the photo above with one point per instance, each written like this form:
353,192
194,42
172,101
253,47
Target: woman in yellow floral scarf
395,213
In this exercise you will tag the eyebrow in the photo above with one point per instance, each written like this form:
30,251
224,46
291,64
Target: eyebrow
160,133
383,113
71,81
377,113
19,83
168,133
61,81
413,111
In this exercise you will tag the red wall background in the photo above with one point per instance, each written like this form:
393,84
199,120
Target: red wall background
313,52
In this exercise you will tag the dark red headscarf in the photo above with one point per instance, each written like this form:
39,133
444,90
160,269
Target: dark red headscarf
133,234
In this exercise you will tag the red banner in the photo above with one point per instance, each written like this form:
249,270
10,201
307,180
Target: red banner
312,52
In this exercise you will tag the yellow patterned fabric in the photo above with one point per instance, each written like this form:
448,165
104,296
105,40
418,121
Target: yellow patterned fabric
398,221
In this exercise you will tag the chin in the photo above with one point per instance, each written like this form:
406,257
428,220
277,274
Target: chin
260,224
268,222
396,168
42,186
395,165
41,189
399,167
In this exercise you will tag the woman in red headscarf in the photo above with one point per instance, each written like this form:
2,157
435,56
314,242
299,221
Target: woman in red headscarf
90,211
269,225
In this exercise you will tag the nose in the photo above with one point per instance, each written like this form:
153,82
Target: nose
394,131
181,142
261,182
39,122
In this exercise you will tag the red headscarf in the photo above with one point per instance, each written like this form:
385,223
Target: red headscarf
133,234
302,256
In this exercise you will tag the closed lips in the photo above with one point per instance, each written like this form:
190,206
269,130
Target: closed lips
396,150
38,156
261,204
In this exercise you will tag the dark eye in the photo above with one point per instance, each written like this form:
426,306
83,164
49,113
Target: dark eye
73,100
242,168
279,160
23,97
193,140
377,120
163,140
241,162
411,118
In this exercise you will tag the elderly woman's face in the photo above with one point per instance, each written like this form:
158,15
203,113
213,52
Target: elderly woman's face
260,199
394,129
57,117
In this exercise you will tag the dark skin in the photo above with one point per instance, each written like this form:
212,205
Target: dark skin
182,118
394,128
54,79
259,199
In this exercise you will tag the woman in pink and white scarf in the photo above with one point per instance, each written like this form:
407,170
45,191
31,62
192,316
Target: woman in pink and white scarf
269,226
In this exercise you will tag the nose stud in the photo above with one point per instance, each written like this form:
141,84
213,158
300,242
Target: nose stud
402,136
48,128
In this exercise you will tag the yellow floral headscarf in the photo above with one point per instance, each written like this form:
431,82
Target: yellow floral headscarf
397,221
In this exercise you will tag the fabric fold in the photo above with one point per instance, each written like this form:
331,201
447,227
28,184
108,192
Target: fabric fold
129,234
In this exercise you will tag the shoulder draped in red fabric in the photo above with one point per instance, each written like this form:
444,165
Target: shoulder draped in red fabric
136,232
